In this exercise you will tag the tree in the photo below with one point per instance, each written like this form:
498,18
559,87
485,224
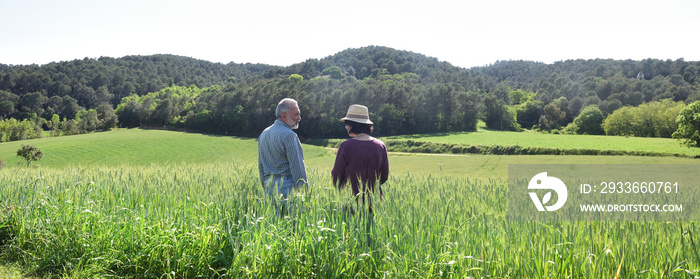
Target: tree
295,78
69,107
33,102
590,121
131,113
107,117
163,113
519,96
334,72
69,127
529,113
499,116
689,125
659,118
102,96
6,108
203,121
55,125
30,153
85,95
552,117
87,120
14,130
234,120
390,120
8,101
563,104
653,119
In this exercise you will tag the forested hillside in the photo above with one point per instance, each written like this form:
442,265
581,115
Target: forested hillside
406,93
88,83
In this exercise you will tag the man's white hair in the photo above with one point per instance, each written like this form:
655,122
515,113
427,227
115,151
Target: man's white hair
283,106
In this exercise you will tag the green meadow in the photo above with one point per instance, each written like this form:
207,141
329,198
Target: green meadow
134,147
135,203
487,137
138,147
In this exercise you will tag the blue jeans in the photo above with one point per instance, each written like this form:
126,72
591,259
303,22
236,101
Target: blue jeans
282,184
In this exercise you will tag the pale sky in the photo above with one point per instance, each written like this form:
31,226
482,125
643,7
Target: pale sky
282,33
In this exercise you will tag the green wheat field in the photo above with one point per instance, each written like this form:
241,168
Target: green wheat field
135,203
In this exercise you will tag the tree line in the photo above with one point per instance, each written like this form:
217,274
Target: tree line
64,88
406,92
245,111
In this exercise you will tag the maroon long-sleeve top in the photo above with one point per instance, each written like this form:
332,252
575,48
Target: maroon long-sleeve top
367,160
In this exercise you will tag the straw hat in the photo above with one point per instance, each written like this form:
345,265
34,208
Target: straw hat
357,113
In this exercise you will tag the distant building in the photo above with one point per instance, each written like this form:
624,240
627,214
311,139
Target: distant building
640,76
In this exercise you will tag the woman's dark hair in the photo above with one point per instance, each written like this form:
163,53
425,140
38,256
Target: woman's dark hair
358,128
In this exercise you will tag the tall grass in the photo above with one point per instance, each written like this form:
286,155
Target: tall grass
212,220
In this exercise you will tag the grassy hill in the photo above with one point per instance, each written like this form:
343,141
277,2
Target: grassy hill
139,147
133,147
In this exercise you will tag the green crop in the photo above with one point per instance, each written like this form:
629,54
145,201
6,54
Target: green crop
212,220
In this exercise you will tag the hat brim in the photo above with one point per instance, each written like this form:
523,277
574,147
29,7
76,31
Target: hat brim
361,121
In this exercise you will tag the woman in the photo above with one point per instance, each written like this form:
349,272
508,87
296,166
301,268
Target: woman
362,159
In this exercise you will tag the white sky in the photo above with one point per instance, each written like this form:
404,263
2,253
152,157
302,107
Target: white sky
463,33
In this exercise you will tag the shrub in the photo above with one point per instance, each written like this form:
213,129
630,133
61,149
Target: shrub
30,153
590,121
654,119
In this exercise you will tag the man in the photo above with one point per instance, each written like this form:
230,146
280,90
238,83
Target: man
280,157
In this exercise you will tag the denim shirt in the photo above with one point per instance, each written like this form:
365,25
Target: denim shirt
280,154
